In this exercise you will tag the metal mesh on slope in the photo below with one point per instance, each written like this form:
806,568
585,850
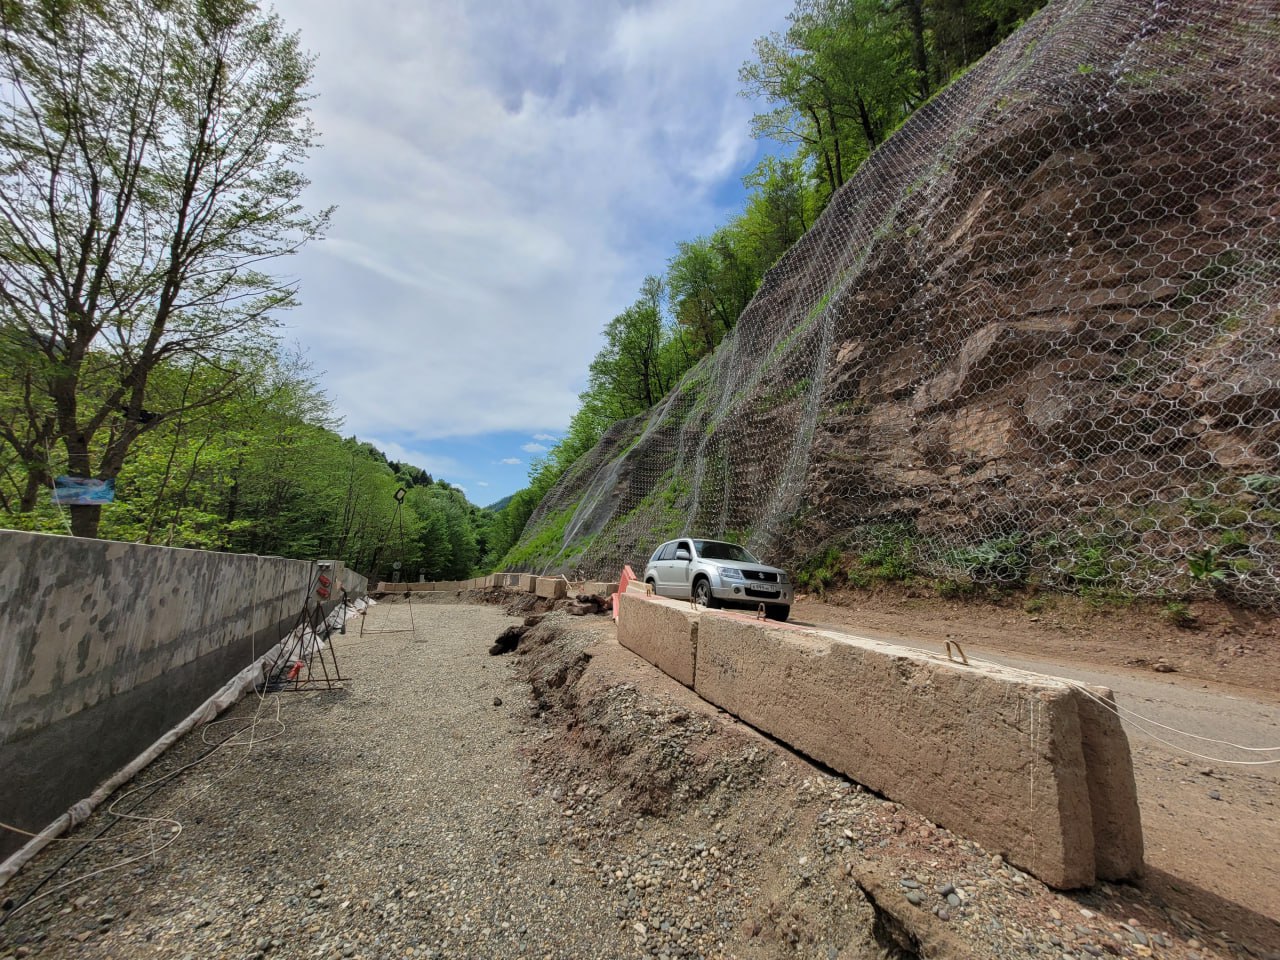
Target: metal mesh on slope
1037,337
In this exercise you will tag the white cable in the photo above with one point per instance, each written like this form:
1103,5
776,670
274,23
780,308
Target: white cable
1137,720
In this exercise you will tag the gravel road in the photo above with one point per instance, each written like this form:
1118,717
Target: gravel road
566,802
390,819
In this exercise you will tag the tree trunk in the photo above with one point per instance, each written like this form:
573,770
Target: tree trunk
84,520
835,141
37,480
919,53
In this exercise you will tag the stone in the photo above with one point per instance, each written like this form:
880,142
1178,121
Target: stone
663,632
1011,737
551,588
1113,792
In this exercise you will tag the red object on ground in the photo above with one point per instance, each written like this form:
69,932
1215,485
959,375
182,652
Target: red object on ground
295,670
627,576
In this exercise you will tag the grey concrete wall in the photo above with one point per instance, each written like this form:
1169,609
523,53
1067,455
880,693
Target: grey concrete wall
664,632
104,646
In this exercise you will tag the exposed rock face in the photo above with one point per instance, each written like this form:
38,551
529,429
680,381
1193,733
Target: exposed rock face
1042,320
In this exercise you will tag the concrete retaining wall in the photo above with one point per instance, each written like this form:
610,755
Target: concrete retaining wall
551,588
664,632
104,646
1025,764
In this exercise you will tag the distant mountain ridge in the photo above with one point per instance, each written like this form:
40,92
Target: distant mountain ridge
1035,338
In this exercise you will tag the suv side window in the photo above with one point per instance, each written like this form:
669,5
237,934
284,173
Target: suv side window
667,551
657,554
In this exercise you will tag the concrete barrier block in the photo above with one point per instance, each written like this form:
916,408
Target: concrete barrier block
551,588
1113,792
599,588
991,753
664,632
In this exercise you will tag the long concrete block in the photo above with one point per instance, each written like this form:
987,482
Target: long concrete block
599,588
528,583
664,632
991,753
1113,792
551,588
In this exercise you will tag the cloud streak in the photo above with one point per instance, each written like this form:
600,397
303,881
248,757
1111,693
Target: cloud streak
505,176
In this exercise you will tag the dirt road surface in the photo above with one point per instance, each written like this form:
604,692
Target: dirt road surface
568,801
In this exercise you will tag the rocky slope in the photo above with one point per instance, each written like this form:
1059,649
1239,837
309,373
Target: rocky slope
1036,337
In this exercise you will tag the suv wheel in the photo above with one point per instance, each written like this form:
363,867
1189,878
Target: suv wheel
777,611
702,595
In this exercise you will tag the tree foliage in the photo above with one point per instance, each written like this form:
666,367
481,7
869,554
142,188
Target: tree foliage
846,73
149,172
265,471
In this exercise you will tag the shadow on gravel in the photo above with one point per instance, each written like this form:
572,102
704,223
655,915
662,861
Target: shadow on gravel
1204,914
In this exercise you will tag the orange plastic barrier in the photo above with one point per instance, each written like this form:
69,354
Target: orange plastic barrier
627,576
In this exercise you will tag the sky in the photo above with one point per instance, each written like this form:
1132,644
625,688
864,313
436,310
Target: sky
505,174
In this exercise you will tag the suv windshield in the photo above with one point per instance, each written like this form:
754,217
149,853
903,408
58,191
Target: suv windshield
715,550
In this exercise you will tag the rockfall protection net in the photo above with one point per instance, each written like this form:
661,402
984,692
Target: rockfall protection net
1036,338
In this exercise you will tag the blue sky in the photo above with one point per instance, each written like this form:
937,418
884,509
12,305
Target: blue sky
506,173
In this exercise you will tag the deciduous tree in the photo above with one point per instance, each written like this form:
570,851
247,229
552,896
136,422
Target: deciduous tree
149,174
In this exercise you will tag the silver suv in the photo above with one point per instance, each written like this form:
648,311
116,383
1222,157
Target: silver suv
713,573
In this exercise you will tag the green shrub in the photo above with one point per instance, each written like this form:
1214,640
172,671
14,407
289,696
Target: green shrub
890,558
1003,560
1179,614
819,573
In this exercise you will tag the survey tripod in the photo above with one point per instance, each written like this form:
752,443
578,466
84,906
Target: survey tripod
397,565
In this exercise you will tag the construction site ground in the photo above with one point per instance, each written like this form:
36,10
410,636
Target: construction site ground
570,801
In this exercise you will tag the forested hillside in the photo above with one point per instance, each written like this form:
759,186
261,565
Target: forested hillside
838,81
1032,342
150,174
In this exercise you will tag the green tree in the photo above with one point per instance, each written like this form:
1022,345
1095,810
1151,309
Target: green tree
628,375
149,154
711,280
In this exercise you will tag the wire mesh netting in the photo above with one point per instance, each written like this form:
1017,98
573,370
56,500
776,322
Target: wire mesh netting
1036,338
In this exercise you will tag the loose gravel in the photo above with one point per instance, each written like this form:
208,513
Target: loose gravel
561,802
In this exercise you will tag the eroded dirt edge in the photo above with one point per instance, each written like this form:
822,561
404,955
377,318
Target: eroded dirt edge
804,858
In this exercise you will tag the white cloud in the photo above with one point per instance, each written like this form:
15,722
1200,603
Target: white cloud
545,437
533,448
434,464
506,174
482,483
513,461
